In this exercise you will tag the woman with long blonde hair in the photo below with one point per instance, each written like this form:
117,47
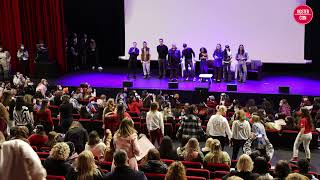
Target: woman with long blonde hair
126,138
86,168
176,171
216,155
192,151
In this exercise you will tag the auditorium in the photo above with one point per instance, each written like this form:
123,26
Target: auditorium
159,90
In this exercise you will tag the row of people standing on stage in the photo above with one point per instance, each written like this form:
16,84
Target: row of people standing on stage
82,53
170,59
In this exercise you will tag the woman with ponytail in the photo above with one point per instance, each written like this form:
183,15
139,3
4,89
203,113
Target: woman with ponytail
216,155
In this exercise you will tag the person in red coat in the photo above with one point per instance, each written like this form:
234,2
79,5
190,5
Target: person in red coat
39,138
113,120
44,117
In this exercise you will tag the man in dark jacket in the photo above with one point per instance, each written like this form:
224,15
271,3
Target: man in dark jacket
174,61
122,170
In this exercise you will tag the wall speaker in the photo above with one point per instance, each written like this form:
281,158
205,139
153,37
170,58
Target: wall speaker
232,87
127,84
284,89
173,85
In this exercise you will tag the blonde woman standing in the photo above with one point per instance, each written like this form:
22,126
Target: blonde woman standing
126,138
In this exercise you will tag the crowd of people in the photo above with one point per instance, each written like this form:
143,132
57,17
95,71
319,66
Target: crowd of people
172,59
26,117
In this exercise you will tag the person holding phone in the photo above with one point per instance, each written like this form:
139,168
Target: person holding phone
242,57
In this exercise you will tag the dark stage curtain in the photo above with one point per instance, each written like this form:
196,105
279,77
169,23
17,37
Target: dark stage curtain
30,21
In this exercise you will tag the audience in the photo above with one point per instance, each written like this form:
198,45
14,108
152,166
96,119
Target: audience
155,124
126,138
122,168
244,169
207,148
53,138
85,168
166,149
39,138
304,168
176,171
21,115
65,110
192,151
216,155
113,120
4,119
153,164
77,135
296,176
44,116
261,167
282,170
96,145
57,163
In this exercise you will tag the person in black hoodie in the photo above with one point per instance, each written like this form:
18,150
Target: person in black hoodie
122,170
153,164
77,135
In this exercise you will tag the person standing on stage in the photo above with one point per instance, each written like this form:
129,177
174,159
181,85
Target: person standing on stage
145,60
203,57
83,48
132,65
162,59
227,56
93,55
217,63
5,63
188,54
242,57
23,57
174,57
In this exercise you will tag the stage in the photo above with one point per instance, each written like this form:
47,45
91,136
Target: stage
299,84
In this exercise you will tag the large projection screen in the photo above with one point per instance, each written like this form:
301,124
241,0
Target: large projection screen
265,27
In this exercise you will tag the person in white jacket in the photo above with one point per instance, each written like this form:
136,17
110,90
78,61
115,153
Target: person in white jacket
19,161
241,131
155,123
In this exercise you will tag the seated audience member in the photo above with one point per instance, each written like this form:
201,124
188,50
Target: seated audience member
176,171
180,149
207,148
19,132
216,155
53,138
234,178
122,169
96,145
126,138
73,155
284,109
304,168
39,138
261,167
44,116
109,107
265,149
282,170
57,164
153,163
78,135
86,168
134,104
191,125
117,116
166,149
290,124
244,169
296,176
4,119
19,161
192,151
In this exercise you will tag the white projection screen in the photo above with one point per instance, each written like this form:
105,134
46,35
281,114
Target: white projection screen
265,27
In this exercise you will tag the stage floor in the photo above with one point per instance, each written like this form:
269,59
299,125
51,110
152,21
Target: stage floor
299,85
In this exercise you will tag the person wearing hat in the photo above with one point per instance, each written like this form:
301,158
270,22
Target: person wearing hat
227,56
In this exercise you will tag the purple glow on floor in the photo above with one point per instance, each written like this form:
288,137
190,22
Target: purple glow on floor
268,85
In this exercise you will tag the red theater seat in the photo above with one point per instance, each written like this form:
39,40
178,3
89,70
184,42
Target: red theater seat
50,177
198,172
154,176
195,178
43,154
167,161
105,165
189,164
217,167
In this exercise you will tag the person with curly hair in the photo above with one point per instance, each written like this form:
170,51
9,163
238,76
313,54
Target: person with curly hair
192,151
176,171
57,164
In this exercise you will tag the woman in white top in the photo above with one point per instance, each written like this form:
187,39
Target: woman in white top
155,123
21,115
96,145
240,133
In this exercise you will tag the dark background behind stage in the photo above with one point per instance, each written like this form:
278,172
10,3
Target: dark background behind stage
104,20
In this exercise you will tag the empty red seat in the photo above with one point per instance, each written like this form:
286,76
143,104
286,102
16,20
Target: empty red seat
198,172
189,164
105,165
50,177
